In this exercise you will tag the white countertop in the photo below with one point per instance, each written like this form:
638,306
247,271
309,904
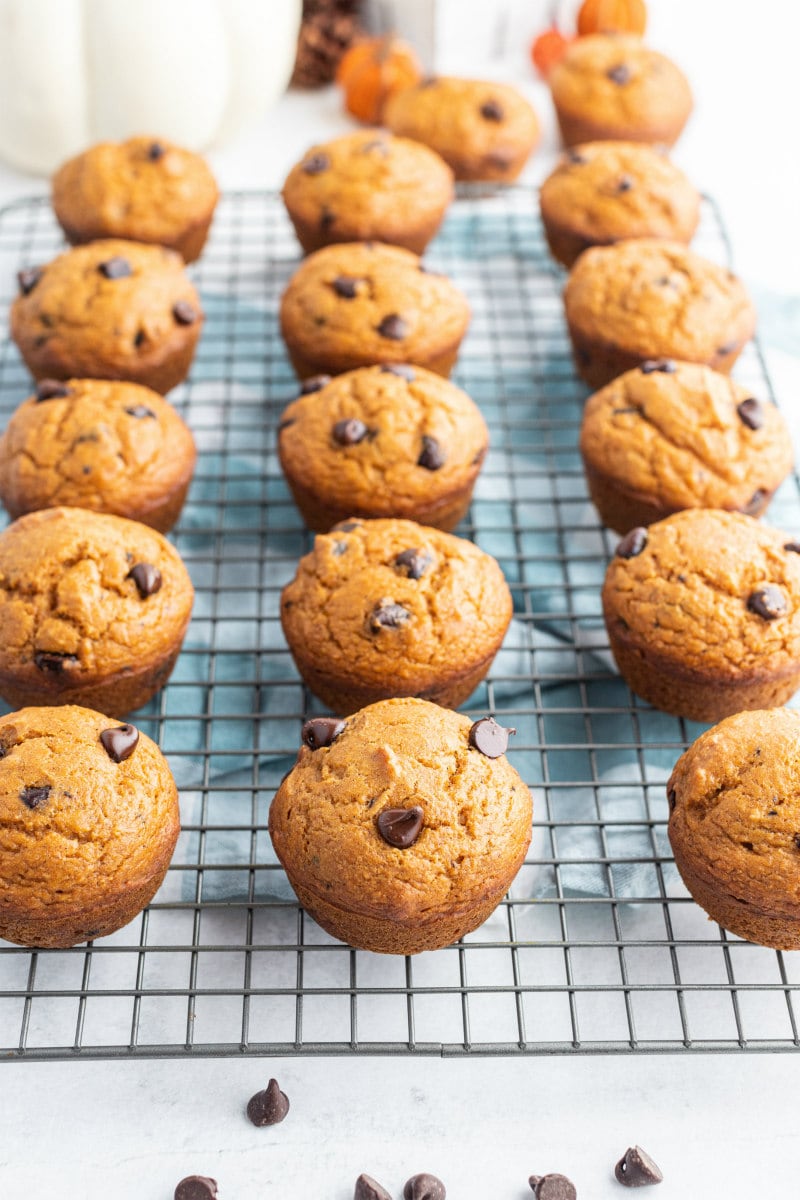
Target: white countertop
718,1125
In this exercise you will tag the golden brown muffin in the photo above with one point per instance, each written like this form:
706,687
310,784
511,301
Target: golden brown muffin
402,828
703,613
390,441
612,86
88,443
362,303
483,130
646,299
368,186
392,608
145,190
93,610
109,310
734,800
89,813
670,435
604,192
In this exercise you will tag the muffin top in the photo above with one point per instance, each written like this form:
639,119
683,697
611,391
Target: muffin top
474,813
617,82
145,189
687,436
388,438
85,594
386,599
654,298
606,191
363,302
367,178
79,821
735,808
709,591
94,444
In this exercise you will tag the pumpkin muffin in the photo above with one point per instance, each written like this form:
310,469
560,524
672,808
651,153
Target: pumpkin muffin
368,185
734,800
669,435
390,608
647,299
144,189
89,443
89,813
109,310
390,441
402,828
93,610
483,130
361,303
703,614
604,192
613,87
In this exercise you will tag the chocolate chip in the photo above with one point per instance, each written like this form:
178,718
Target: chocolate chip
140,339
751,413
625,184
671,798
491,111
574,156
414,562
428,81
792,547
424,1187
184,312
633,543
314,383
115,268
665,365
755,503
553,1187
348,526
120,741
489,737
346,286
140,411
637,1169
35,797
54,661
28,279
393,326
401,369
728,347
51,389
388,615
268,1107
400,827
147,578
316,164
768,602
155,151
619,74
349,432
432,457
368,1188
321,731
326,217
797,840
196,1187
500,159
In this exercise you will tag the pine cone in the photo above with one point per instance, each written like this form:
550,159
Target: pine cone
328,29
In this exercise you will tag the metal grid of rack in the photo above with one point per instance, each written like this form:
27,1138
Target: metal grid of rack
598,947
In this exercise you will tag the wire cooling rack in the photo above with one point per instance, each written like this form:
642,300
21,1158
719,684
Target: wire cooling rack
598,947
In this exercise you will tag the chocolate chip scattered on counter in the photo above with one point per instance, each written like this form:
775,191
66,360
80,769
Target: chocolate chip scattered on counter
393,326
268,1107
147,578
792,547
120,741
388,615
349,432
625,184
637,1169
424,1187
54,661
51,389
491,111
400,827
489,737
751,413
413,562
314,383
155,151
768,602
196,1187
140,411
115,268
368,1188
28,279
184,312
619,74
633,543
665,365
316,164
432,456
552,1187
321,731
35,797
401,369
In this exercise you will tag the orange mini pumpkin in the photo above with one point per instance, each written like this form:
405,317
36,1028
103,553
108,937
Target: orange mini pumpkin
612,16
373,70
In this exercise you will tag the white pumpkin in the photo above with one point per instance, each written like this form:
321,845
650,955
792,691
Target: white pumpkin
74,72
